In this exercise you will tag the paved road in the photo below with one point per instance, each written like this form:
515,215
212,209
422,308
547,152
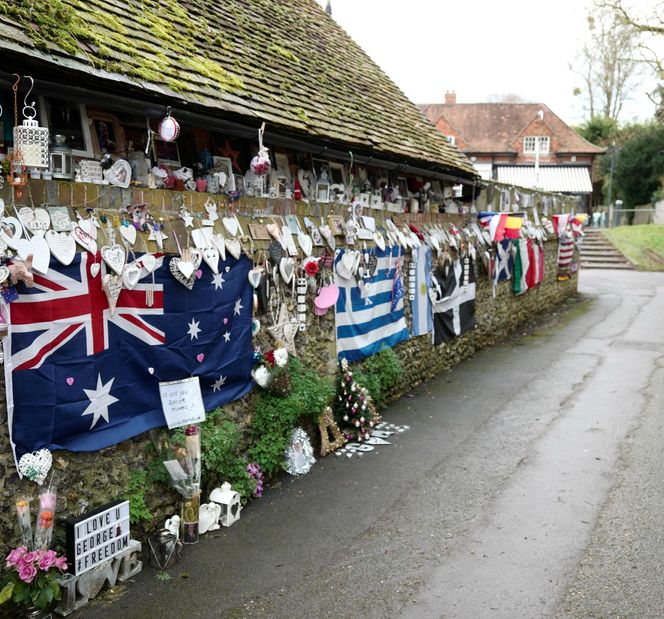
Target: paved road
528,486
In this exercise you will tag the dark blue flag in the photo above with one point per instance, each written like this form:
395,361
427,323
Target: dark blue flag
80,377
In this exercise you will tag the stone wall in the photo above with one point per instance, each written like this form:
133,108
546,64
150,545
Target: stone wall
88,480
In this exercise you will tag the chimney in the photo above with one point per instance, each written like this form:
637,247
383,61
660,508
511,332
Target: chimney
450,97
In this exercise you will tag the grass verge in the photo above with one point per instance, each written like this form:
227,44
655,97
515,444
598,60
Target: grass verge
643,245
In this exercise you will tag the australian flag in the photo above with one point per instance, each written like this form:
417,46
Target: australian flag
80,377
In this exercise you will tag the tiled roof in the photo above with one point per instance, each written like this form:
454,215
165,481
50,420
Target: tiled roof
564,179
282,61
493,127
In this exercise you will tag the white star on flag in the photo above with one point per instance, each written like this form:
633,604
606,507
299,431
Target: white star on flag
238,307
100,399
218,281
193,328
219,383
227,336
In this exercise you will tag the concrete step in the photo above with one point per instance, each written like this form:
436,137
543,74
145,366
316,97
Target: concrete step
602,265
604,259
599,254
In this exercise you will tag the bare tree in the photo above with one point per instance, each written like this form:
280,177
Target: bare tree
607,64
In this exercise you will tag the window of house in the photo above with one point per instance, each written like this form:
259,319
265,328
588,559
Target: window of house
451,139
533,143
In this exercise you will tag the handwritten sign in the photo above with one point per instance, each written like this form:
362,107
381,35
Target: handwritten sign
182,402
97,536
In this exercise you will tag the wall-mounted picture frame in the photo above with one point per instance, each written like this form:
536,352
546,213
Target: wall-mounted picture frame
107,133
376,201
225,165
402,186
166,153
337,173
336,223
283,169
68,118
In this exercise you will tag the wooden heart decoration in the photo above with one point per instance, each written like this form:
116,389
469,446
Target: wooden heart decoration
234,247
273,231
211,257
85,240
11,231
119,174
254,277
149,262
112,286
231,224
195,256
131,275
218,241
41,254
36,465
187,282
62,245
306,243
186,268
88,226
379,239
4,273
199,237
36,220
128,233
287,269
94,269
114,256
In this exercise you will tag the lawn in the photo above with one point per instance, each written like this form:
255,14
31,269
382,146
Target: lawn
643,245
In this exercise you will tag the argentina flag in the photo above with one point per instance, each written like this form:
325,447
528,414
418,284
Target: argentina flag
364,319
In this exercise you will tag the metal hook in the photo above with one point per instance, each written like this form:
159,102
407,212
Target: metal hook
27,94
18,79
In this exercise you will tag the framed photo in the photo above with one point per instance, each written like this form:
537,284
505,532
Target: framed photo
166,153
402,186
336,223
321,170
70,119
108,136
283,169
225,165
337,173
376,201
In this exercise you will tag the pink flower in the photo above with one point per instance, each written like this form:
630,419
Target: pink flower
15,555
27,573
47,560
61,563
29,557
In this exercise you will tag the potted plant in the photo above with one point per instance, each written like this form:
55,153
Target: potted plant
31,580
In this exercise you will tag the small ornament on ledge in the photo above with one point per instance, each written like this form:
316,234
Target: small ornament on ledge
260,164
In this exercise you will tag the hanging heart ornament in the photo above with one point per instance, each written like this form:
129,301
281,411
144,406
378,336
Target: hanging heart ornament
287,269
114,256
211,257
63,246
131,275
187,282
231,224
84,238
254,277
234,248
36,465
128,233
112,287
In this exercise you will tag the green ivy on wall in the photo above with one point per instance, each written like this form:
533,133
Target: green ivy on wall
138,510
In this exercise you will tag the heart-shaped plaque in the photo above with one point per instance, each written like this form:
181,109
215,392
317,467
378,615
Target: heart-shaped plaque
128,233
11,231
94,269
119,174
254,277
200,237
287,269
85,240
219,242
305,242
41,254
149,262
261,376
211,257
112,286
4,273
234,247
36,465
36,220
88,225
187,282
131,274
114,256
195,256
63,246
231,224
379,239
186,268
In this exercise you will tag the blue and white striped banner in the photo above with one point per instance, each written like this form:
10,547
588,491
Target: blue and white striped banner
421,305
365,323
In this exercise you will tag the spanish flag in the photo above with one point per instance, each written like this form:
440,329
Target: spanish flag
513,225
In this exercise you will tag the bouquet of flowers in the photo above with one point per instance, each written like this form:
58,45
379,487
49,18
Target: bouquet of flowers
31,579
271,371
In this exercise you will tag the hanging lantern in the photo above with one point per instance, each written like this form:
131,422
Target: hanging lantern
30,139
260,164
60,157
169,128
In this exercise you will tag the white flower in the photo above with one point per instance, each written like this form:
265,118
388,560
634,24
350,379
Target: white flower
281,357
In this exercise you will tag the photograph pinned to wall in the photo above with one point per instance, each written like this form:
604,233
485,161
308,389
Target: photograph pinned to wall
68,118
224,165
336,223
337,173
283,168
402,186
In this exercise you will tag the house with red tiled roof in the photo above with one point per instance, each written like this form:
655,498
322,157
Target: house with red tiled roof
522,144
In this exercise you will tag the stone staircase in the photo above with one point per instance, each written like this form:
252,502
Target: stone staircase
597,252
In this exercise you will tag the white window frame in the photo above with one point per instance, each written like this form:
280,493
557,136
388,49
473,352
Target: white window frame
451,139
541,141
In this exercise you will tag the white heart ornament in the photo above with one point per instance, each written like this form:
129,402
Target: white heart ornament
305,242
254,277
131,275
114,256
187,282
211,257
112,286
119,174
88,225
94,269
199,237
234,247
261,376
85,240
128,233
231,224
186,268
4,273
41,254
379,240
36,220
219,242
149,262
62,245
16,231
287,269
36,465
208,517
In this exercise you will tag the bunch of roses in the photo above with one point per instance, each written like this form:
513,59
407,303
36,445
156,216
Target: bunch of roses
28,564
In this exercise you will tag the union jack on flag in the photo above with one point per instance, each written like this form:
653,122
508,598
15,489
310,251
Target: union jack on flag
80,377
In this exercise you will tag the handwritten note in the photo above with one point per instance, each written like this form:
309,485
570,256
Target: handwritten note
182,402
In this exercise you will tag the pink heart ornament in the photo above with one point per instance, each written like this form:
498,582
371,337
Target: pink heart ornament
200,357
199,274
70,380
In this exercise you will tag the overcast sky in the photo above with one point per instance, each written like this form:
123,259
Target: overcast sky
479,48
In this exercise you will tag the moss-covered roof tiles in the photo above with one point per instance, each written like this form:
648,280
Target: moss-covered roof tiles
283,61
